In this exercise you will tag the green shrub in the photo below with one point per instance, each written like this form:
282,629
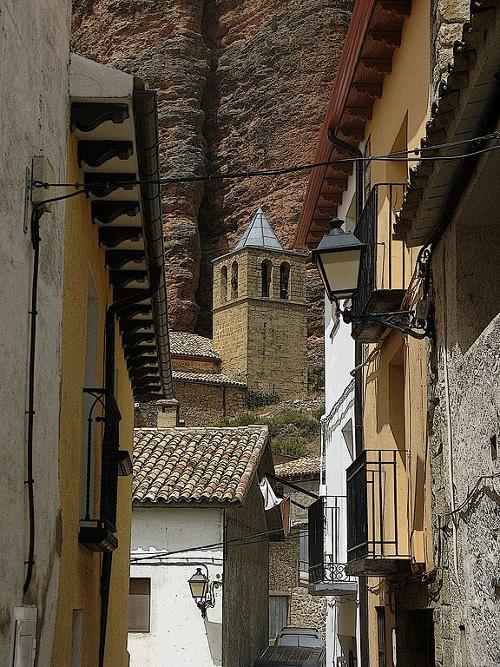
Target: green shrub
292,446
256,399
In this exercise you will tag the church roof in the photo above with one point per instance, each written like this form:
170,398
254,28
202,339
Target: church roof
259,234
184,344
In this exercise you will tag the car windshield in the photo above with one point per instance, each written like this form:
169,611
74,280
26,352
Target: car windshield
306,641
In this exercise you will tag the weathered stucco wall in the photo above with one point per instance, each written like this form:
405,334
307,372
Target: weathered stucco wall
245,615
81,568
34,52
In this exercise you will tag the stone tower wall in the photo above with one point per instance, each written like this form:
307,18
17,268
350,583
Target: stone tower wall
262,339
230,337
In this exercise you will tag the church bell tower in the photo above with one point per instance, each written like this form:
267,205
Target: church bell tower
259,312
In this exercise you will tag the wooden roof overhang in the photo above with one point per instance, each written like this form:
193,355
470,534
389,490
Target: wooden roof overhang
114,121
467,106
373,36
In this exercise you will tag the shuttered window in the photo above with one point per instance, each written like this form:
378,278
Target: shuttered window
139,605
278,614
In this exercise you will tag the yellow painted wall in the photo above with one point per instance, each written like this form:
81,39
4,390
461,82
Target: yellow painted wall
80,568
395,382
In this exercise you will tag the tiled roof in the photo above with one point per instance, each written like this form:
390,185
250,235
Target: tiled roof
184,344
206,378
204,465
307,466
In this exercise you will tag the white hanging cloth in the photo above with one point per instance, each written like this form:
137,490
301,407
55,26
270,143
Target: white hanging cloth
270,498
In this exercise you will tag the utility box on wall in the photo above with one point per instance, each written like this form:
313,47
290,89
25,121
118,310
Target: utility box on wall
23,638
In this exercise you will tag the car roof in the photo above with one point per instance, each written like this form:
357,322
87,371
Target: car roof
290,630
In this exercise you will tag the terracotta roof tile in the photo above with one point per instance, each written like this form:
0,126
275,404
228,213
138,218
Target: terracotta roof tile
206,378
307,466
196,464
184,344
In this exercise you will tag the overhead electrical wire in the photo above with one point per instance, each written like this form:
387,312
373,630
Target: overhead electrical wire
248,539
410,155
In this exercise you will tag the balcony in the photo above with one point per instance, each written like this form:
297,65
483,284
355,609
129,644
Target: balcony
382,281
327,547
377,520
97,533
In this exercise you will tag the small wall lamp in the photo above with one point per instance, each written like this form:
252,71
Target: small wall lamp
338,258
202,590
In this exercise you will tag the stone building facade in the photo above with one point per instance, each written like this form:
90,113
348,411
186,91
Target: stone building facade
290,602
205,395
259,313
457,222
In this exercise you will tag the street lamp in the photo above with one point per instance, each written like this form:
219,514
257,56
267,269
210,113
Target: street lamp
198,585
202,590
338,258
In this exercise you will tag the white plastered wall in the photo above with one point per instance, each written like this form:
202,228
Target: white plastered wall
178,634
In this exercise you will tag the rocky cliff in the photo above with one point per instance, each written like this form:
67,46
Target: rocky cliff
243,84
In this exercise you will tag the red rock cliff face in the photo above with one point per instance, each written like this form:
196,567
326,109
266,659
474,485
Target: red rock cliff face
243,85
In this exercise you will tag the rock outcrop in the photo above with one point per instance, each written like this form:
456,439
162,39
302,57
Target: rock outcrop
243,85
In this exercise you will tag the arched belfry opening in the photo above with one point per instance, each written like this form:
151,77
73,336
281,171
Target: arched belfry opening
285,280
234,280
266,274
223,284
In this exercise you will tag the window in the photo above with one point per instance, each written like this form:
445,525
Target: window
234,280
223,284
381,636
88,457
304,548
266,274
278,614
139,605
284,280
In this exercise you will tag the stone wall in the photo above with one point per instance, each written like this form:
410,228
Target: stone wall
304,610
464,432
245,616
241,85
207,404
34,112
200,404
448,17
187,365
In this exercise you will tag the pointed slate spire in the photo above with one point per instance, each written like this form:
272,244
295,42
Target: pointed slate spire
259,234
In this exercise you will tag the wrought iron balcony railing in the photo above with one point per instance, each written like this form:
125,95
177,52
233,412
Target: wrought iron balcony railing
327,547
377,519
382,275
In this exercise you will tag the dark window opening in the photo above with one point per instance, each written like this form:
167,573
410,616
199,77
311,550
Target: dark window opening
139,610
284,280
234,280
266,274
381,636
223,284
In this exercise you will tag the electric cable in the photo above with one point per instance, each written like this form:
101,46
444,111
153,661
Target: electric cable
243,540
396,156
